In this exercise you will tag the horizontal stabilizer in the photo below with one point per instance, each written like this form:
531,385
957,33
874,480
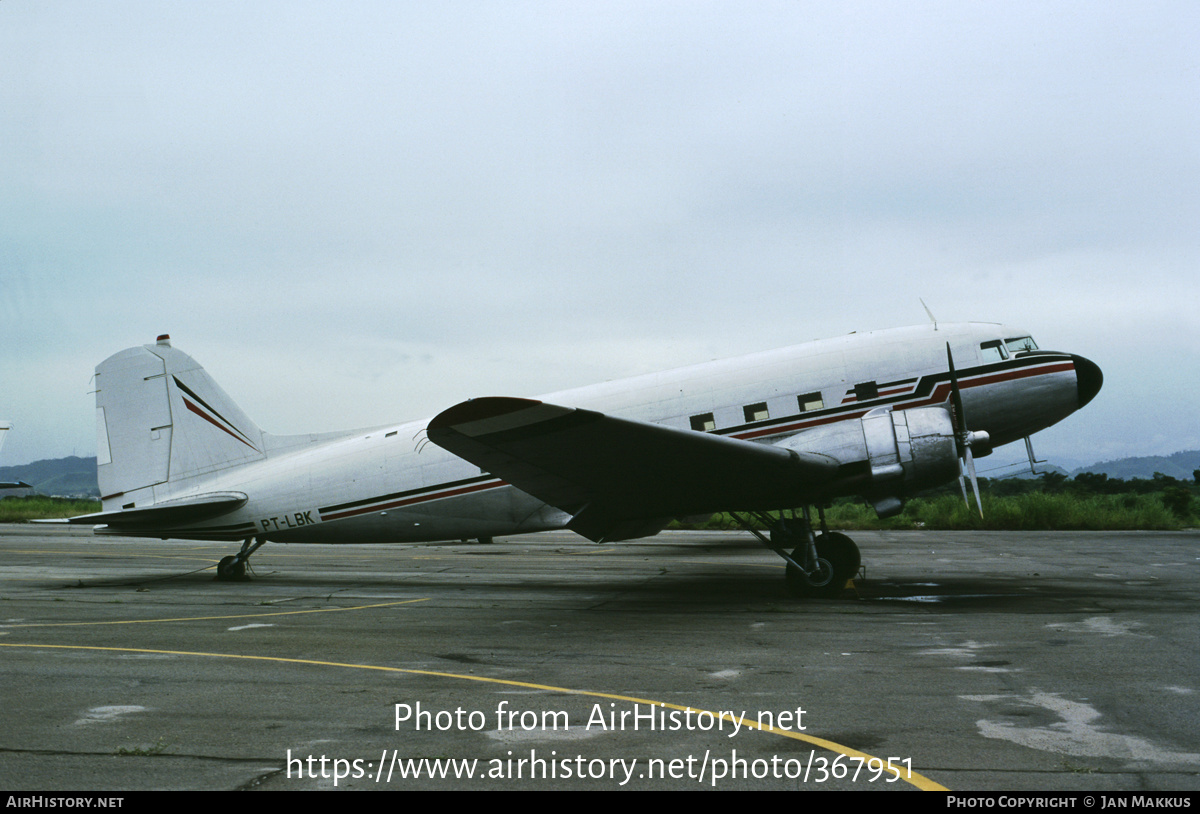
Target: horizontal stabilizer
611,472
5,426
172,512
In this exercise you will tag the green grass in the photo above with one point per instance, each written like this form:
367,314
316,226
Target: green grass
142,751
1027,512
1041,511
37,507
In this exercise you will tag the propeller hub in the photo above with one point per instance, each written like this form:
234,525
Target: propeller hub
979,442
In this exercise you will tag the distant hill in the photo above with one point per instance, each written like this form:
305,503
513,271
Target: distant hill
63,477
1181,465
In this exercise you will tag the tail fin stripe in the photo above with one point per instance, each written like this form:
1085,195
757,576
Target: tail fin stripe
220,421
193,408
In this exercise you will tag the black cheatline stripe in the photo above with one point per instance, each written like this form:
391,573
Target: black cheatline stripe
408,493
896,383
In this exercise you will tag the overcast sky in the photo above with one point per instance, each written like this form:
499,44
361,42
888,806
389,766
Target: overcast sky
356,213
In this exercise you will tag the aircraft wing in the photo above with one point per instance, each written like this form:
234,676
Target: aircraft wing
617,477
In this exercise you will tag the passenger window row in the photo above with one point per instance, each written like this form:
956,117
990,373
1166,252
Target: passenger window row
757,412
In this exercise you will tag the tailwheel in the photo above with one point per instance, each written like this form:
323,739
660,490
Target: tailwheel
230,569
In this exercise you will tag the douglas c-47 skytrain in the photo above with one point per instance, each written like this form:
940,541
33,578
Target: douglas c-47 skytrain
881,415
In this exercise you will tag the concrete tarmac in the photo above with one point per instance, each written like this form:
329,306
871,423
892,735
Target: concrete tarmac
970,660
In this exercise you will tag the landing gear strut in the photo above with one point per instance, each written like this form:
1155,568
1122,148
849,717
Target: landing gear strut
818,565
231,569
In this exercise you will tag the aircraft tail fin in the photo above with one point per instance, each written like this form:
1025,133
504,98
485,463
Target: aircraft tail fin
161,422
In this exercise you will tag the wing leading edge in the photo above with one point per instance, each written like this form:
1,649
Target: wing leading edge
620,478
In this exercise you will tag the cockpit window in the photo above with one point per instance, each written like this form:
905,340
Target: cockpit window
1023,344
994,351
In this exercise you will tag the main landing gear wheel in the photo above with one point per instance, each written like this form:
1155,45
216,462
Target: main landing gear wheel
842,552
838,560
820,566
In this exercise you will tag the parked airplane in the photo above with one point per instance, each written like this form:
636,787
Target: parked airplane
5,426
882,415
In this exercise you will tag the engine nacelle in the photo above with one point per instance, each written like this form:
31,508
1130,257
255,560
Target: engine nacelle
905,451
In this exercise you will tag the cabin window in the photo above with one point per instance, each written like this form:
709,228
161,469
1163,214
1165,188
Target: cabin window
703,422
866,391
1022,344
810,402
756,412
994,351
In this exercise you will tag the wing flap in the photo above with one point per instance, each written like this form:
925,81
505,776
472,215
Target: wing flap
618,476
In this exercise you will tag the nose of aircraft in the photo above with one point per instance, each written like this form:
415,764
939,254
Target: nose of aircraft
1088,379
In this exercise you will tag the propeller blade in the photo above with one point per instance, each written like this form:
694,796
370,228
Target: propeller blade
960,422
963,438
974,480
